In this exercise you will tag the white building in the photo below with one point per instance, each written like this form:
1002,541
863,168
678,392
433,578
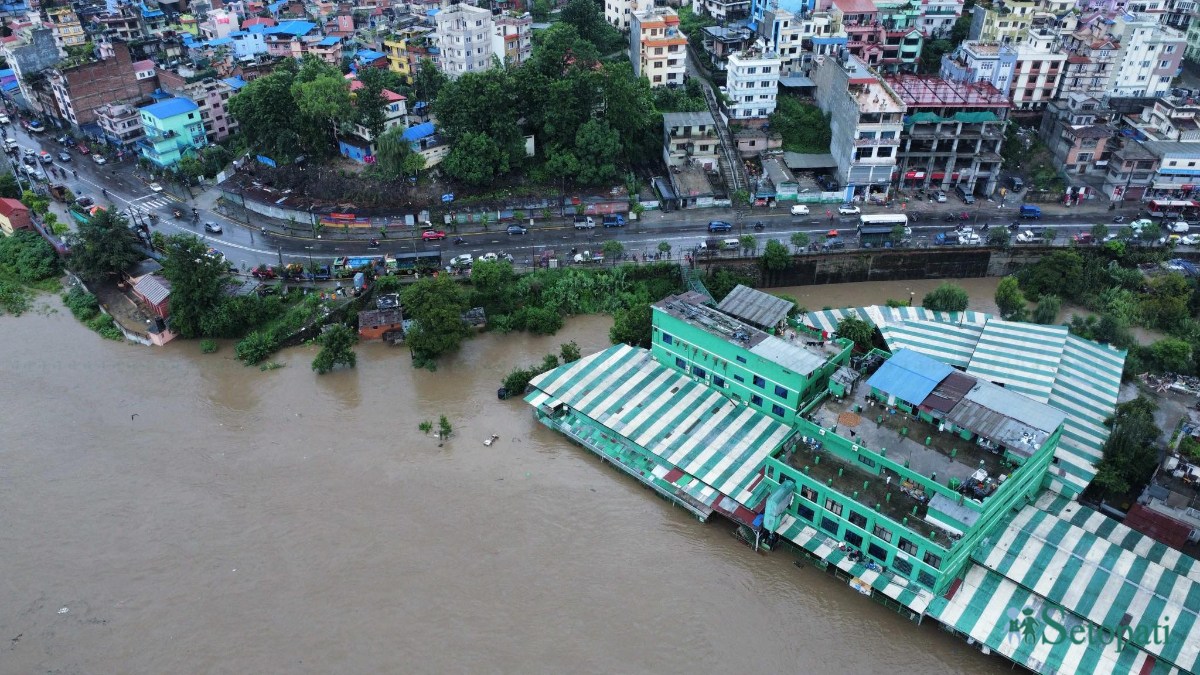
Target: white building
752,81
513,42
1040,65
722,10
784,34
978,61
657,48
464,39
1149,57
938,16
619,12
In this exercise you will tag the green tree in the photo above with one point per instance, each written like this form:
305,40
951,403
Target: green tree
632,326
1059,272
800,240
436,306
613,250
191,168
37,203
598,148
947,297
775,258
27,257
1130,455
8,186
897,234
664,248
1099,232
428,80
267,113
197,284
569,351
1172,355
337,347
493,283
370,107
804,127
860,332
1047,308
1165,303
588,20
748,243
395,157
476,159
1151,233
998,237
1009,300
931,55
541,10
102,246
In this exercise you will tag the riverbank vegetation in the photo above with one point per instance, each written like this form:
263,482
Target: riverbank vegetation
517,381
27,263
1130,453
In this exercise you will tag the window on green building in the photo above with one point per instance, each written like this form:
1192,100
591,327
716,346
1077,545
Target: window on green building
866,460
926,579
699,372
681,363
719,381
907,546
833,507
902,566
858,519
804,512
756,399
759,382
667,339
741,359
883,533
934,561
739,378
781,392
829,525
777,410
808,493
877,552
854,539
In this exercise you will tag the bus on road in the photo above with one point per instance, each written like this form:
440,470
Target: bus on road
1178,208
883,220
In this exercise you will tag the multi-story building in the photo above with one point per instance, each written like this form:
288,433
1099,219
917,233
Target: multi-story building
1038,70
1149,58
884,36
172,129
288,38
618,12
1178,174
1192,51
36,52
248,43
79,90
952,133
724,11
690,149
513,42
1131,171
120,23
1168,119
1178,14
360,145
824,35
1005,22
120,124
211,96
784,33
976,61
866,119
464,38
1077,140
938,17
221,23
657,47
1091,62
752,82
68,32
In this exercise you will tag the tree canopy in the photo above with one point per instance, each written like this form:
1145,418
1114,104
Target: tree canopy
947,297
436,305
337,347
197,284
102,246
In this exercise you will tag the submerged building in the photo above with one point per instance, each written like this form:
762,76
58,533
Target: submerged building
938,476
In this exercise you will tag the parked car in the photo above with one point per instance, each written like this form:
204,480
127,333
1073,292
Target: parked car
433,235
614,220
99,159
969,239
1030,237
833,243
849,210
584,223
939,197
322,273
1178,227
799,209
720,226
212,227
463,260
263,272
517,229
64,156
1138,225
1084,238
83,149
1190,239
4,119
35,126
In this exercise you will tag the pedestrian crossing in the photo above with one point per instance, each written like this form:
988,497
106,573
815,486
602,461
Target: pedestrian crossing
154,204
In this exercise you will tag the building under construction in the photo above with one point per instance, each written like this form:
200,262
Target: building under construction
953,132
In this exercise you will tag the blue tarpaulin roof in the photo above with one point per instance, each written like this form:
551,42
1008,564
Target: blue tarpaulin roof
330,41
370,55
170,108
235,82
909,376
416,133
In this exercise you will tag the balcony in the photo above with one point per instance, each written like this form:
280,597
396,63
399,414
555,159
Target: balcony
868,142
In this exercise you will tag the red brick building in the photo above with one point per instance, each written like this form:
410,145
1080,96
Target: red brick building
81,89
13,216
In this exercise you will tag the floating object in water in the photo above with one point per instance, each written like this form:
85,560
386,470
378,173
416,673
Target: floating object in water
491,440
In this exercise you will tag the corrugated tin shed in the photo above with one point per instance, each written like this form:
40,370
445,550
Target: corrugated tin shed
1015,421
153,288
1158,526
682,423
761,309
949,392
909,376
788,355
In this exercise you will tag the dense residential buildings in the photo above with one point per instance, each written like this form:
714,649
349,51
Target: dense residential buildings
120,125
1037,71
657,48
79,90
68,32
866,118
691,149
513,43
978,61
1076,132
1149,58
464,39
952,133
172,129
619,13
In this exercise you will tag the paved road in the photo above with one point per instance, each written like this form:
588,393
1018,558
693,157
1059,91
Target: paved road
683,230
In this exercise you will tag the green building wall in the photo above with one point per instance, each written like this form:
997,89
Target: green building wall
726,366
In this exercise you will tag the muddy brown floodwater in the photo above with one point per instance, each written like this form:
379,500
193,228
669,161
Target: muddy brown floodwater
166,511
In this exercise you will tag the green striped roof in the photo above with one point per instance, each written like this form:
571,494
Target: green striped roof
1077,376
1043,558
826,548
681,421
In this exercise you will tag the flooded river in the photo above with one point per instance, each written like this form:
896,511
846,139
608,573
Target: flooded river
167,511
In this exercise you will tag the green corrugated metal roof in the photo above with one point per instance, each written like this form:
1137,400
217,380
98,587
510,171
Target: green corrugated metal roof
1024,357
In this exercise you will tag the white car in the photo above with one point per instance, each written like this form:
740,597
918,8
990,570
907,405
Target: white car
1178,227
966,229
4,119
799,210
99,159
1138,225
968,239
488,257
939,197
463,260
1190,239
155,187
849,210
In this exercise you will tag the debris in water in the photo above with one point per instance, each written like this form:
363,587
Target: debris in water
491,440
64,610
